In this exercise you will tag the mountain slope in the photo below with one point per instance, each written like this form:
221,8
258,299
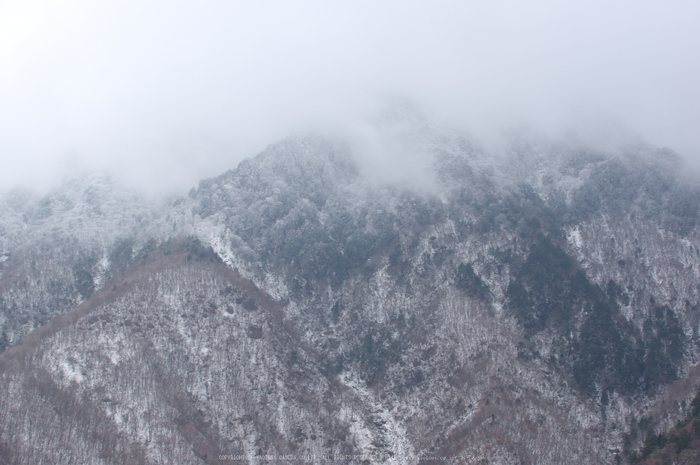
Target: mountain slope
532,306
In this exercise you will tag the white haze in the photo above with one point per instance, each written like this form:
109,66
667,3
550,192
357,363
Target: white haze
165,93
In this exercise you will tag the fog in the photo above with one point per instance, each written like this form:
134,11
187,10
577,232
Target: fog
165,93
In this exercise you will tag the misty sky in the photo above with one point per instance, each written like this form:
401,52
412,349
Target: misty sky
164,93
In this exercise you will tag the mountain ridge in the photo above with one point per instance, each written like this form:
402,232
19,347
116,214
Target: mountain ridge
462,319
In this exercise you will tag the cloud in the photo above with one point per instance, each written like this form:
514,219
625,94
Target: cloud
165,93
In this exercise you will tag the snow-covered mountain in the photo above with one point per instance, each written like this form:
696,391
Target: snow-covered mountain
538,305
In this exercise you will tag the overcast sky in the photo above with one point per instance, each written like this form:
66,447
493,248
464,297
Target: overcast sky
167,92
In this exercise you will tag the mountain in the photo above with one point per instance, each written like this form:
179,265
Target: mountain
537,304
